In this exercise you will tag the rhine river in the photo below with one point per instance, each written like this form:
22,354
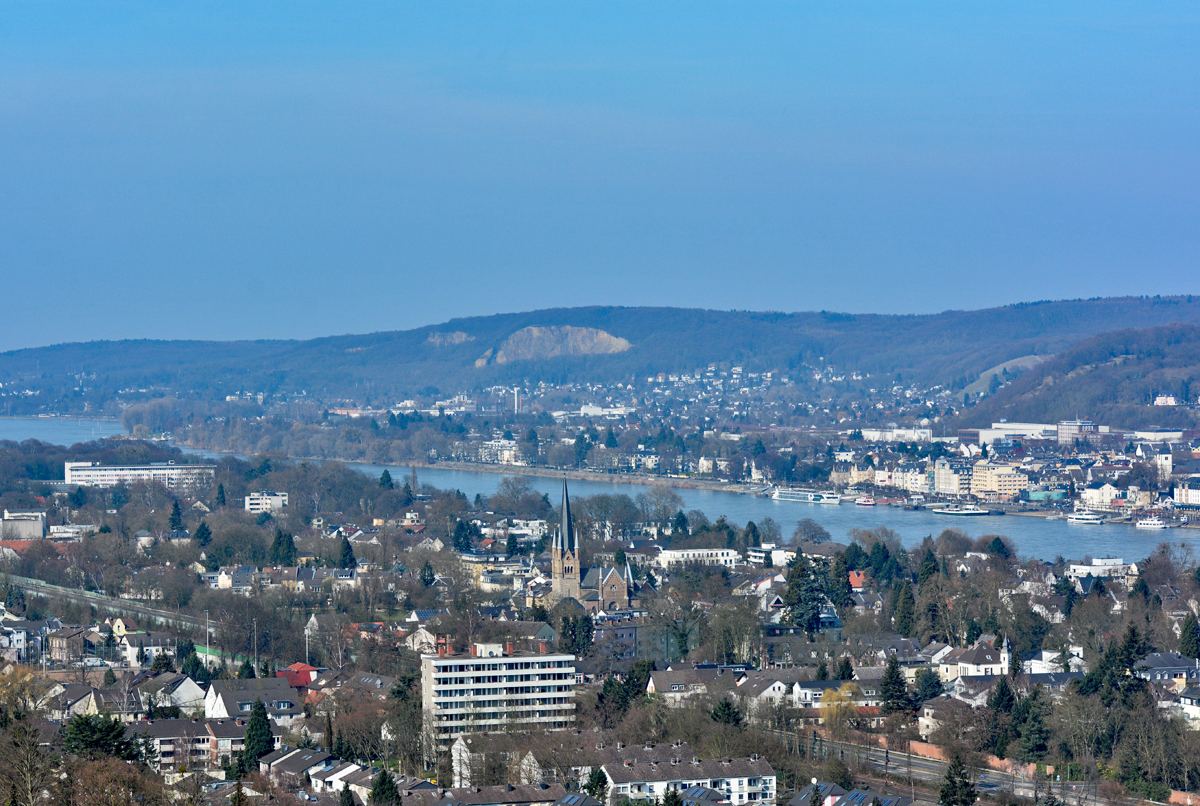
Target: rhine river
1033,536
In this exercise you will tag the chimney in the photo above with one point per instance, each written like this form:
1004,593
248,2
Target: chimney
508,648
542,647
441,649
474,650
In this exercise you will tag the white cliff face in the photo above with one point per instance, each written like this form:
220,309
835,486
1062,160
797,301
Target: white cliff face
550,342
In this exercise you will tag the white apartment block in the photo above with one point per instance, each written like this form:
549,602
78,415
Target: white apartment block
912,478
726,557
266,501
951,478
168,474
1187,493
740,780
494,689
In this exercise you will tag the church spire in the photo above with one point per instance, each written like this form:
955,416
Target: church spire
566,538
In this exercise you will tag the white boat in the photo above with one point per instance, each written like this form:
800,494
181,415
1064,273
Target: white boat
1084,518
806,496
864,501
967,510
1153,522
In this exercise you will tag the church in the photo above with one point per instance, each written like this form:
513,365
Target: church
598,588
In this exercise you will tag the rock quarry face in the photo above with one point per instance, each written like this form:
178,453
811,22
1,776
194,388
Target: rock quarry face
550,342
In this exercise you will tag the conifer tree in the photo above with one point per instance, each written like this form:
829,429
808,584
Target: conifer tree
258,737
1189,637
346,556
957,787
220,495
176,517
346,798
203,535
384,791
893,688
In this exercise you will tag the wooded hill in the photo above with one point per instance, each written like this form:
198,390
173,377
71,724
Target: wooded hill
1112,378
592,344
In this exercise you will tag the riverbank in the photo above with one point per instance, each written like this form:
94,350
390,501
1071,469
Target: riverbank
594,476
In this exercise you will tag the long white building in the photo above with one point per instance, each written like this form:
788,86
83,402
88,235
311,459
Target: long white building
168,474
493,689
266,501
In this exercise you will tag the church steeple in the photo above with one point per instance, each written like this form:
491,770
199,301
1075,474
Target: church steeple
564,554
565,539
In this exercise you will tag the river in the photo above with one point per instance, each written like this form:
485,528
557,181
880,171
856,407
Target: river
1033,536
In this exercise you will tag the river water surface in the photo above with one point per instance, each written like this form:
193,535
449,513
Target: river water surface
1033,536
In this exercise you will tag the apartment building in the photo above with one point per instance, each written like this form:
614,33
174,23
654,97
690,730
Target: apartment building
1000,482
951,478
168,474
493,688
741,780
726,557
266,501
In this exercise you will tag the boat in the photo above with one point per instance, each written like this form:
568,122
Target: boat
805,496
1153,522
1084,517
967,510
864,501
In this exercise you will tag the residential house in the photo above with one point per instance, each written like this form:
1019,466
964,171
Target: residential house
742,780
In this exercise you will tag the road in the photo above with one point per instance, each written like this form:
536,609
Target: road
111,604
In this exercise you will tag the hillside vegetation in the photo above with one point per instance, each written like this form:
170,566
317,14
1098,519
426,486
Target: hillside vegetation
593,344
1112,378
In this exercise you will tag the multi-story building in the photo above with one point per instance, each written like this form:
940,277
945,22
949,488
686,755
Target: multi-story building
671,557
494,688
911,477
741,780
1071,430
266,501
951,478
168,474
1187,493
998,481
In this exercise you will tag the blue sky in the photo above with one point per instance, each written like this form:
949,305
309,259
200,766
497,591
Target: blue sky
259,170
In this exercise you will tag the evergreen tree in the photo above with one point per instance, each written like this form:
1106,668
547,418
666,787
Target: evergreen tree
283,549
258,737
346,797
672,798
162,663
245,671
384,791
220,495
141,655
845,669
957,787
839,590
893,688
610,439
822,671
680,525
726,713
176,520
427,576
99,734
805,596
597,782
905,615
928,569
203,535
1031,727
1002,700
328,737
928,685
1189,638
110,679
385,481
346,556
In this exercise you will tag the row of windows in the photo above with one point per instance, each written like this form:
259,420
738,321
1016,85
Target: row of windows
499,678
509,704
506,666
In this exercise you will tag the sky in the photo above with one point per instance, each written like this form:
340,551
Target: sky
289,170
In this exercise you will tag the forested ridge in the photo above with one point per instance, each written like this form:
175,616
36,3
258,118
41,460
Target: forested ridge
932,348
